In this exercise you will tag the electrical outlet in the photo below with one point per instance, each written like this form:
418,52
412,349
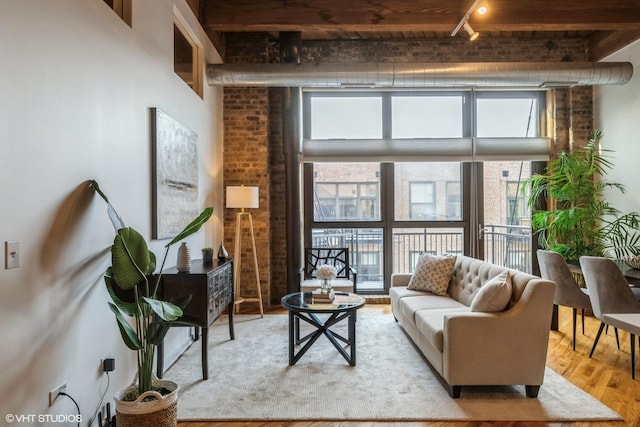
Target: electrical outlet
11,254
53,394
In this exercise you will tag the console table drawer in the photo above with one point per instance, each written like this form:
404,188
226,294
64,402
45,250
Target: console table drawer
220,284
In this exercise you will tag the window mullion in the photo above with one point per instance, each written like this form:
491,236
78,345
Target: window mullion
387,126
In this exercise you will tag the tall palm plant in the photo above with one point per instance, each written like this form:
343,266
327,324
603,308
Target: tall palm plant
132,270
583,222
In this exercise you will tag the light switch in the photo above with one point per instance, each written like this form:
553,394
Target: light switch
11,254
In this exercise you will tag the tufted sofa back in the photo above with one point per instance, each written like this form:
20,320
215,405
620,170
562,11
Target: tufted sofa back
469,274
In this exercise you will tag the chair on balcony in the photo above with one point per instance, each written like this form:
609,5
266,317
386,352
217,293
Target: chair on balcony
346,278
553,267
612,299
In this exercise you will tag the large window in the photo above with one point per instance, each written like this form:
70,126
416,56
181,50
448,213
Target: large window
346,118
516,203
422,200
346,192
427,191
503,114
389,175
426,116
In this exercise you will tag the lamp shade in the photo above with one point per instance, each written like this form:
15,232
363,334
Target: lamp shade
242,197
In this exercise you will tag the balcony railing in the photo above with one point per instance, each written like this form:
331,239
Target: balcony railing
508,245
505,245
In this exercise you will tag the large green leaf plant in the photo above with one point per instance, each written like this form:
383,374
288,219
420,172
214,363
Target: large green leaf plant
582,222
132,272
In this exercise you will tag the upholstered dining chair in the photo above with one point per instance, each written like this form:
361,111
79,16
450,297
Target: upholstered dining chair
610,294
553,267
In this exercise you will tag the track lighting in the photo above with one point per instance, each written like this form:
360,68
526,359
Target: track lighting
479,6
472,34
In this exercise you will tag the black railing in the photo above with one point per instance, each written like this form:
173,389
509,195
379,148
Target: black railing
505,245
508,245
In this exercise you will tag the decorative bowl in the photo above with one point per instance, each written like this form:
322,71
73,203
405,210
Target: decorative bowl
632,261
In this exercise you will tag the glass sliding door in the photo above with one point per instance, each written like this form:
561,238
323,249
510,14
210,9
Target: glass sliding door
507,219
507,118
346,206
427,213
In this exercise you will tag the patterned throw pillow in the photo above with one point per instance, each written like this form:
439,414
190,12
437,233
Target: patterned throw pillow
494,295
432,274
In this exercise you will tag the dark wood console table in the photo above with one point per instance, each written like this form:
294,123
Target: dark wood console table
211,287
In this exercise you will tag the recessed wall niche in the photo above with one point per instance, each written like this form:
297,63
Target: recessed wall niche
122,8
187,55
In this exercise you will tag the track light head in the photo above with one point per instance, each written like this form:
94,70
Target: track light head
472,34
480,6
483,7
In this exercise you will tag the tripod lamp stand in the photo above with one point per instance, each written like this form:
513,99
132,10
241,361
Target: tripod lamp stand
244,198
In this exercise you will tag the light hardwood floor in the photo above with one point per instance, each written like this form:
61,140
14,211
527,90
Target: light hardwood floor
607,377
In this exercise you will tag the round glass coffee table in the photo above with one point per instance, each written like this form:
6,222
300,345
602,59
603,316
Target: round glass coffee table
302,306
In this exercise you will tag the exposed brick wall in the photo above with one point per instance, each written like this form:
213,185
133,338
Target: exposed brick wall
246,162
581,126
455,49
253,119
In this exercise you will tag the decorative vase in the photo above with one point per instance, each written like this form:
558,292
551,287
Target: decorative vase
183,264
207,256
150,409
325,285
222,253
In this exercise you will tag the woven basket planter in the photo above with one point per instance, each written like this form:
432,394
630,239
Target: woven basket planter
150,409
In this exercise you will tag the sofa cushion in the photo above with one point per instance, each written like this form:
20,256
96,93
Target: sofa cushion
409,306
494,295
430,323
432,274
397,293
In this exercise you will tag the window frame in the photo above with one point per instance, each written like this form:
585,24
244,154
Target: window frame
387,222
197,54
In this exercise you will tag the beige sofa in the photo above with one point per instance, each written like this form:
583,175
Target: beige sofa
479,348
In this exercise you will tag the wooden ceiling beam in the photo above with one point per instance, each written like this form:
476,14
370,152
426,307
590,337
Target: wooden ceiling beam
418,15
604,43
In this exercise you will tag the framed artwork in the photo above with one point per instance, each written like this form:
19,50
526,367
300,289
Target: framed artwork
175,175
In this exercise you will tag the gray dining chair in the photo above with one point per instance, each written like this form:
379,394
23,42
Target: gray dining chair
568,294
609,293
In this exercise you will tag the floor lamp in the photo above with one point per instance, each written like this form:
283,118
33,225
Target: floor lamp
244,198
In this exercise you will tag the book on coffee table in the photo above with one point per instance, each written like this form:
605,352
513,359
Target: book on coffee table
323,296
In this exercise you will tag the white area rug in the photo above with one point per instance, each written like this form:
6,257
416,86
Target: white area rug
250,379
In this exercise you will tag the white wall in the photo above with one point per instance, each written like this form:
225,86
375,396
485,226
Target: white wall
76,86
617,114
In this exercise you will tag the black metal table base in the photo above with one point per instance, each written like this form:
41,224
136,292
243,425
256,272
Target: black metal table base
322,328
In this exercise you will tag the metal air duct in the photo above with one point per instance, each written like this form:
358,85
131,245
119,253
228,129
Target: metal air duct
471,74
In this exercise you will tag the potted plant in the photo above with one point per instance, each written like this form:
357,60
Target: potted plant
582,222
132,274
207,256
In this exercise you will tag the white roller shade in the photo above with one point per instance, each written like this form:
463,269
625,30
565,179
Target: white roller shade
511,149
421,150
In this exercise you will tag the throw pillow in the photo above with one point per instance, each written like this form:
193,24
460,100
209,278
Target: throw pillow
432,274
494,295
